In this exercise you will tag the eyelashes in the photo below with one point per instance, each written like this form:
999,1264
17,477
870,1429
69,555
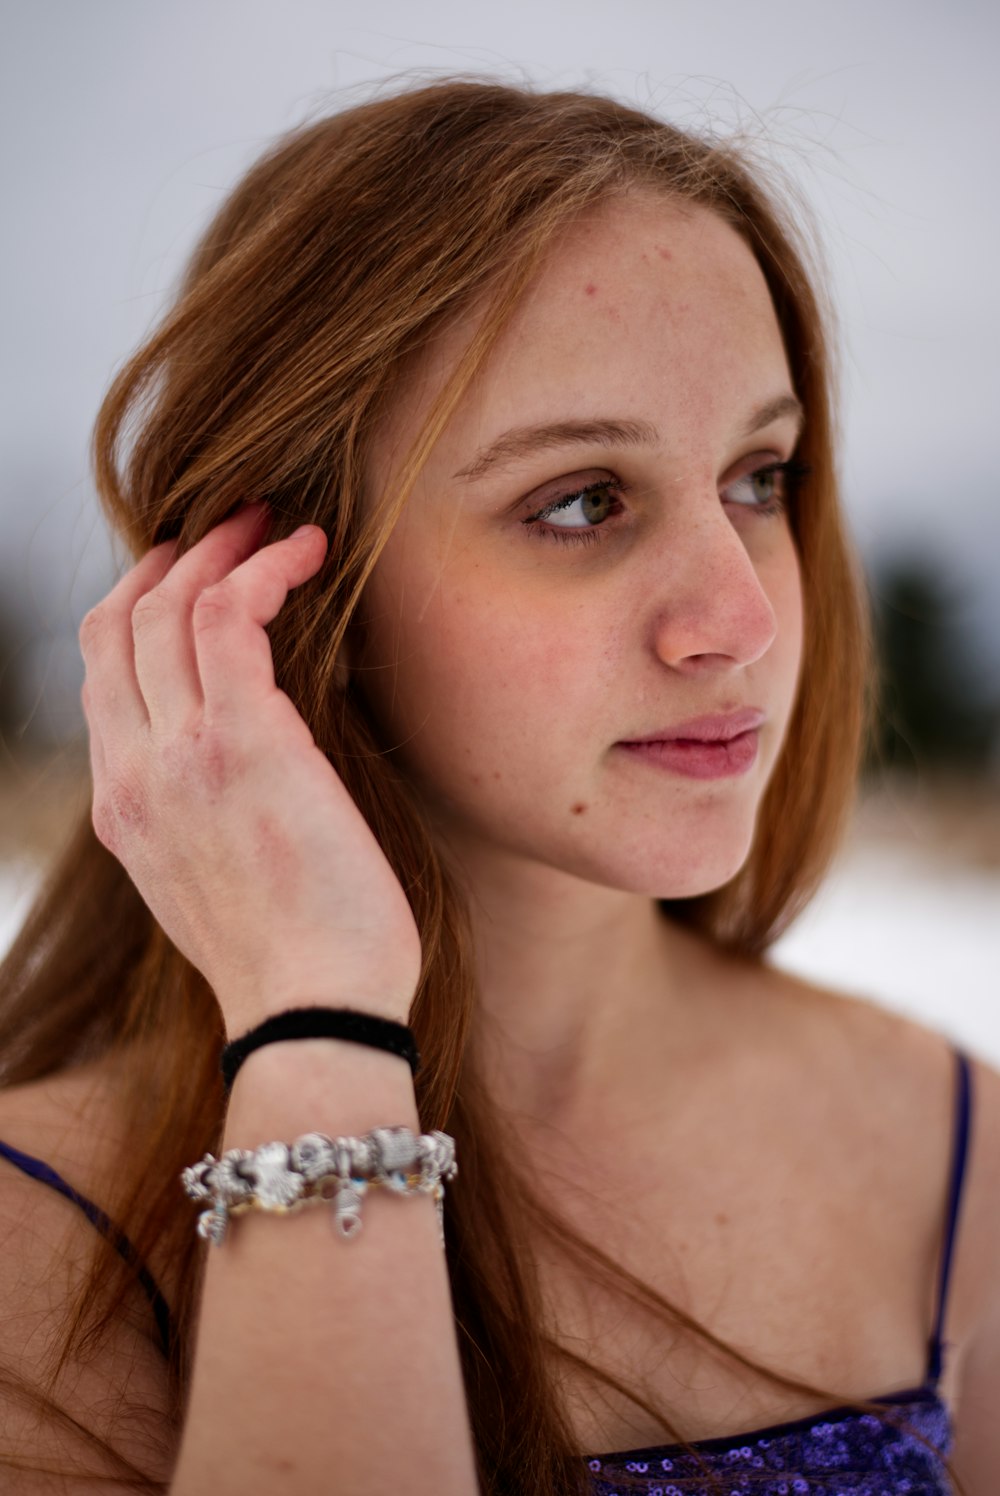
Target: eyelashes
606,486
784,478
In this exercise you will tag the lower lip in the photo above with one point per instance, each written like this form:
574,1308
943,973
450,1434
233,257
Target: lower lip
699,760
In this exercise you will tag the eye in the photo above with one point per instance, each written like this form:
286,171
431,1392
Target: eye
594,504
769,489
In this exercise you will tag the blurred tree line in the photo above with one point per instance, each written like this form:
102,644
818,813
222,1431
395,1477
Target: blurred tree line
939,698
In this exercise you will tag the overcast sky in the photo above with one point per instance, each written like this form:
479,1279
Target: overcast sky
122,125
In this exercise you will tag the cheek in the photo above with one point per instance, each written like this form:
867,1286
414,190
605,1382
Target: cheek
788,603
507,670
487,676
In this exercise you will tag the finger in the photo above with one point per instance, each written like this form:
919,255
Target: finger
165,661
114,703
234,652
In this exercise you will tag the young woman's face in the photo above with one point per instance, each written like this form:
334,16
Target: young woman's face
588,559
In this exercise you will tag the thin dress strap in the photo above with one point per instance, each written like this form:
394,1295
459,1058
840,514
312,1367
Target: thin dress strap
37,1169
960,1150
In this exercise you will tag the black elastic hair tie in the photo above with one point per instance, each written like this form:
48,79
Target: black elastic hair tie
322,1023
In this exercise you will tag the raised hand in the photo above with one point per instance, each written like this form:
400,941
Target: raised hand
210,790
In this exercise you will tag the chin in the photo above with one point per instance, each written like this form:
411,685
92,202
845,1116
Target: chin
678,858
684,871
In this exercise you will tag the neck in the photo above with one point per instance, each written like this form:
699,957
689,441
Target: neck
576,983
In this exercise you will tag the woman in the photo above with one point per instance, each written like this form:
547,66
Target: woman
530,742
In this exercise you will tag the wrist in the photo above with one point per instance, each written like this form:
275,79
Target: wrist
321,1023
325,1085
247,1010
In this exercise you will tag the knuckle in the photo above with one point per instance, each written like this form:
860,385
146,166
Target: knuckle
104,824
93,628
150,610
120,809
206,762
214,604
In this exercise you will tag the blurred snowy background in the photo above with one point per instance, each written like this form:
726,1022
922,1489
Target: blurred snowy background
121,128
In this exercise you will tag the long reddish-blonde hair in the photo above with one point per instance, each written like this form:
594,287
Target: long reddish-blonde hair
327,268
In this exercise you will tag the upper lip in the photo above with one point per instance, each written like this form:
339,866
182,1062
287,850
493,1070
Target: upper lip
718,728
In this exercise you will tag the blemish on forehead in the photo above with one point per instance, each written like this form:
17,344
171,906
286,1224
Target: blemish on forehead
579,808
590,289
663,252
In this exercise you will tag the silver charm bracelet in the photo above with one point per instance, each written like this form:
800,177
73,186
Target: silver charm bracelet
314,1170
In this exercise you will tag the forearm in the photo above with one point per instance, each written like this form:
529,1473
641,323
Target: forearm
324,1366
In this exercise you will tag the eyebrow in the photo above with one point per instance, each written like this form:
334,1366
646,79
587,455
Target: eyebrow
776,410
524,441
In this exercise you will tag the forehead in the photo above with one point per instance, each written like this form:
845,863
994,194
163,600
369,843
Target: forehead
643,307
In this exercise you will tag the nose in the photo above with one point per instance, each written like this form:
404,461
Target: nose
713,611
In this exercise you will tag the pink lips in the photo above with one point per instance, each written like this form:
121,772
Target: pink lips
713,747
720,727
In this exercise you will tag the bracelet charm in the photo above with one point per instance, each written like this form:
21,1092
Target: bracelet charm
315,1169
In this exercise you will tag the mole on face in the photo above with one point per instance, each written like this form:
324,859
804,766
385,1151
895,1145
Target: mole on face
578,809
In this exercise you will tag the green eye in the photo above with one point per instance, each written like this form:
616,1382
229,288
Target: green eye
595,504
598,502
769,488
764,484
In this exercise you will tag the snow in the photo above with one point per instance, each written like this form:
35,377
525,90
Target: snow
918,937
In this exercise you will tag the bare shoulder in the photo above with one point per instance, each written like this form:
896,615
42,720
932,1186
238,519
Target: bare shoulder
118,1391
912,1069
71,1114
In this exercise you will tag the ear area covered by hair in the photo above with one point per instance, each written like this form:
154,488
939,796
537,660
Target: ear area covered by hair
343,666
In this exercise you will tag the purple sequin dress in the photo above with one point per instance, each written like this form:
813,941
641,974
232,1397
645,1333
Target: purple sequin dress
830,1454
839,1452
